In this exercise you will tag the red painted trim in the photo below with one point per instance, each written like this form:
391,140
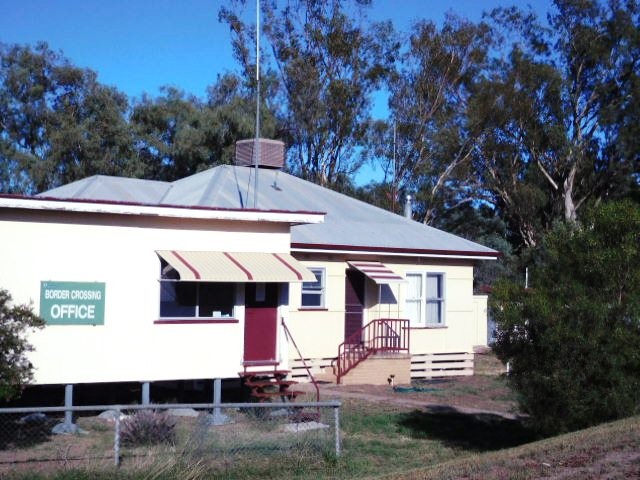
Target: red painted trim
155,205
193,321
363,248
187,264
239,265
286,264
312,309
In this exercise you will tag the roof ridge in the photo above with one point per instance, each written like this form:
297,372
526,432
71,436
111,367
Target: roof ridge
209,190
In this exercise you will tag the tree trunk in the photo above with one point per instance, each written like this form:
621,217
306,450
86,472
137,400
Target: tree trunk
567,193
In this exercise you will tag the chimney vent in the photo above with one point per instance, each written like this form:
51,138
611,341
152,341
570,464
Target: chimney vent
271,153
407,207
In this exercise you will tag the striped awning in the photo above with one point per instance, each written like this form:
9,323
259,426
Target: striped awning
236,266
378,272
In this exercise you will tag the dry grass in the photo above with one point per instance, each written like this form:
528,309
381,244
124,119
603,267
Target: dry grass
609,451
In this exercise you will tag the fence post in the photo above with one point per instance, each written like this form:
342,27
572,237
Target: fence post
336,427
68,402
116,440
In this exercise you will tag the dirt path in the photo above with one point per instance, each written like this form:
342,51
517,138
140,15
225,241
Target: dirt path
479,394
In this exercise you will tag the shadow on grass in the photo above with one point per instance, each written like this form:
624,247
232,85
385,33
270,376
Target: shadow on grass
471,431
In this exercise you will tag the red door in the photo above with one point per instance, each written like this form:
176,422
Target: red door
260,323
353,303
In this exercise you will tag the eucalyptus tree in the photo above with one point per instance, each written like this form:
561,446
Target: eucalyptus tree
171,134
231,113
57,122
428,101
562,109
328,59
178,134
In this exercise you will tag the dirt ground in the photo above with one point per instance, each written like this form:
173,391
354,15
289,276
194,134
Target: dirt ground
588,456
484,392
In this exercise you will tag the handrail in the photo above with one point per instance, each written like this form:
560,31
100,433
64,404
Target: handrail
304,363
381,335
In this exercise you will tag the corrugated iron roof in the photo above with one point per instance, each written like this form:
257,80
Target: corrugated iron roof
350,224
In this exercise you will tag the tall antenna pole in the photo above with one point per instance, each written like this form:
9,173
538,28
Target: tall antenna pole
256,145
393,180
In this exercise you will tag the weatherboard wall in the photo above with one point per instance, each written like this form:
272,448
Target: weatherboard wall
120,251
319,332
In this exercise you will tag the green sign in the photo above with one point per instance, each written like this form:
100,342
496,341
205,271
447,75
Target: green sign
72,303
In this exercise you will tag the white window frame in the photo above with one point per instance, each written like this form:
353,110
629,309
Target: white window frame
424,300
321,291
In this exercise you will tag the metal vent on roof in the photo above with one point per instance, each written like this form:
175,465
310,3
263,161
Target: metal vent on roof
271,153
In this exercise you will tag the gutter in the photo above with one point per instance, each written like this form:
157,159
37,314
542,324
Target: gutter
394,251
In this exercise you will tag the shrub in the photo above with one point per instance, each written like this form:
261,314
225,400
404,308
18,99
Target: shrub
573,339
15,322
148,428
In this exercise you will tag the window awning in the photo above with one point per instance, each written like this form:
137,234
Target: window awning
236,266
378,272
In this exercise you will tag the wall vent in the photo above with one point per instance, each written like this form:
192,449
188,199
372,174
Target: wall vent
271,153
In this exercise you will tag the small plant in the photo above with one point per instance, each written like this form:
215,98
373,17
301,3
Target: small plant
148,428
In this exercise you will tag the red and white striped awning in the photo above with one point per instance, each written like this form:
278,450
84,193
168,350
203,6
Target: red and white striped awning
236,266
377,271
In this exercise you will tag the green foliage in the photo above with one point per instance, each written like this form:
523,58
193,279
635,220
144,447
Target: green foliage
178,135
429,95
148,428
327,63
573,339
15,322
559,113
58,123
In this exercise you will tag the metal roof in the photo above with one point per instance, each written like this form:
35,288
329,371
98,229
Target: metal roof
350,224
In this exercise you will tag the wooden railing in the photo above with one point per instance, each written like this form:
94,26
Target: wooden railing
382,335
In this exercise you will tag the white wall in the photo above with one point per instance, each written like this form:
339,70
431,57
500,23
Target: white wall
120,251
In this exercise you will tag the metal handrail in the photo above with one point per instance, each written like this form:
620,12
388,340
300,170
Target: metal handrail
304,363
376,336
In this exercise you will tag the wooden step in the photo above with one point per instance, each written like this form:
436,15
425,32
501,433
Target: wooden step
264,373
289,394
267,383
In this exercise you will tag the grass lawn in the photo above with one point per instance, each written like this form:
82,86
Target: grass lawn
452,431
611,451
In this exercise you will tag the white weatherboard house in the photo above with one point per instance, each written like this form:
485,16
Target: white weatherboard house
148,281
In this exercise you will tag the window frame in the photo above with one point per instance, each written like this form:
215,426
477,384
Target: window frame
169,276
424,300
321,291
197,304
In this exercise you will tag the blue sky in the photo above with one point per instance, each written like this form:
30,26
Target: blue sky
140,45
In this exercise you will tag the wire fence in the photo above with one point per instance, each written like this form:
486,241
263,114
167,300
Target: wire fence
228,437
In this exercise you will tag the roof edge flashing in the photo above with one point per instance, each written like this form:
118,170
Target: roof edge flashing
391,251
175,211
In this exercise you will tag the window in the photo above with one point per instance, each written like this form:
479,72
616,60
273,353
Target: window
313,292
435,299
424,304
194,299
